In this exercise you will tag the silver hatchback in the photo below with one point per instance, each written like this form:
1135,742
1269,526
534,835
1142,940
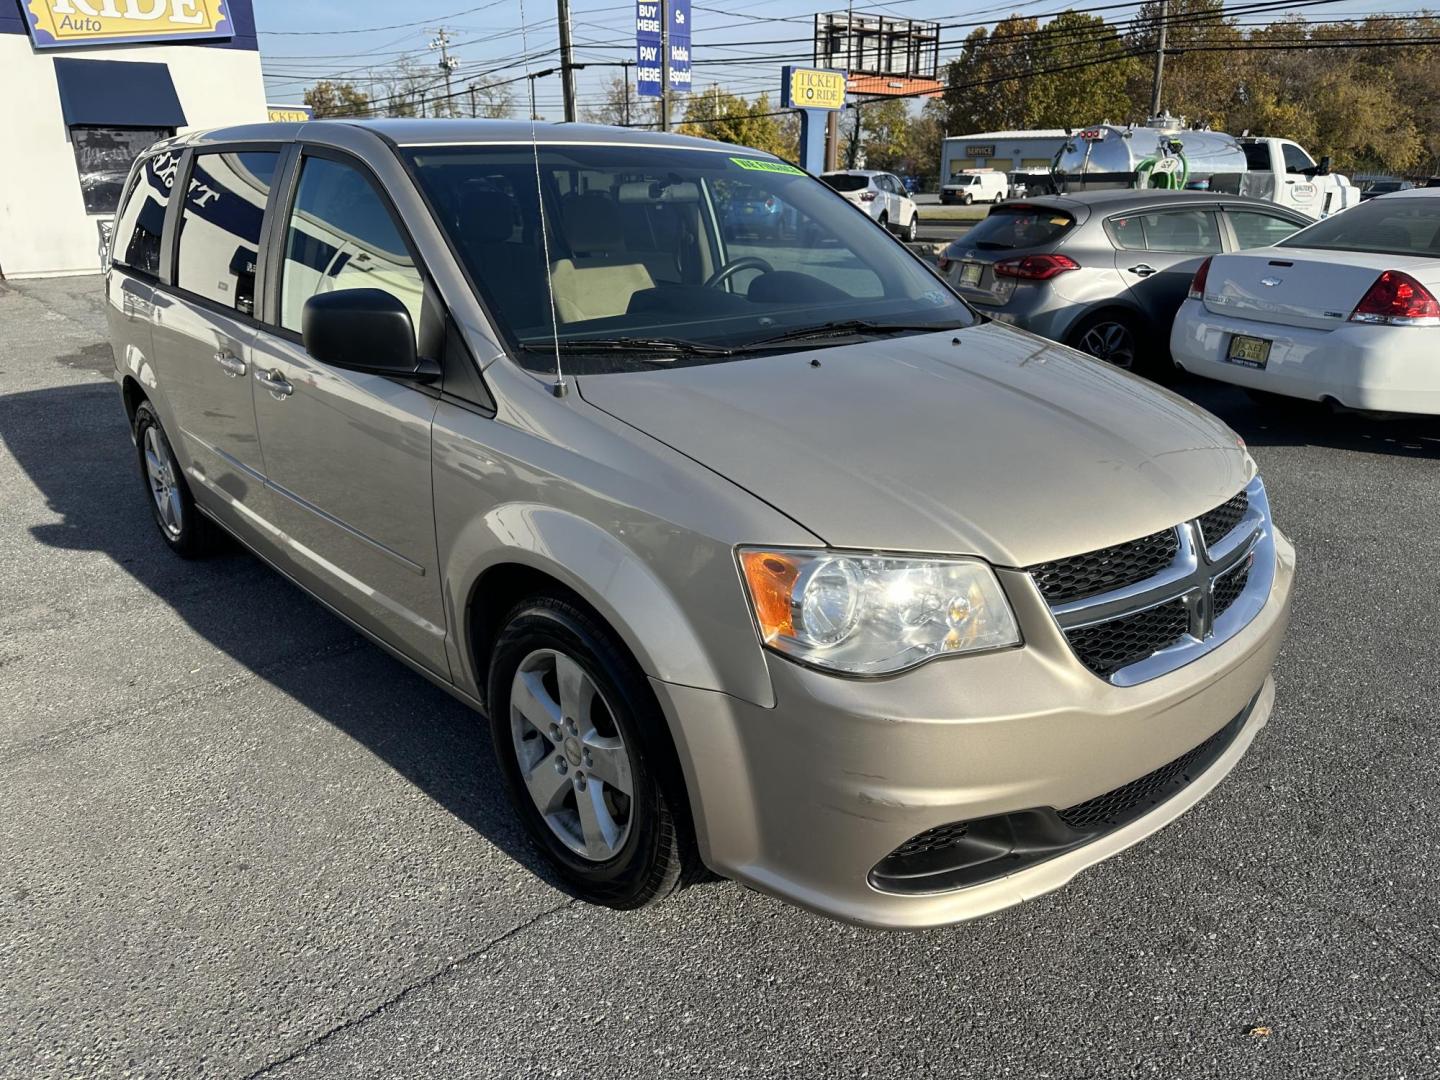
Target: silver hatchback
767,558
1105,271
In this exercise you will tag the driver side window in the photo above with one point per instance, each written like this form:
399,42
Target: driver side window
340,235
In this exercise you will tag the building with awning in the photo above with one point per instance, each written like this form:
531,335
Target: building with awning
88,84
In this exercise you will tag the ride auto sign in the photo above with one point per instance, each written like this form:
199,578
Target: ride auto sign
649,19
71,23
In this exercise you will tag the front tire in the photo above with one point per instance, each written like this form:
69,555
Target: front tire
968,199
912,231
585,757
181,526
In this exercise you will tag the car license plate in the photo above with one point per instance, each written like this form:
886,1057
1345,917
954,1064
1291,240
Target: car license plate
970,273
1251,352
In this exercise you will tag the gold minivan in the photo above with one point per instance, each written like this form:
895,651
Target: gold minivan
758,550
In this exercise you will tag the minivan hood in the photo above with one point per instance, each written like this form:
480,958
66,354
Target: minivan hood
1002,445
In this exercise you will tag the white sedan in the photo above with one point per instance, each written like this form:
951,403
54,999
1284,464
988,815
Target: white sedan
1343,311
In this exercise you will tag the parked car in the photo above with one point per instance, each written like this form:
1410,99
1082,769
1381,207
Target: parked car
985,186
1104,271
881,195
1384,186
1344,312
687,527
751,212
913,184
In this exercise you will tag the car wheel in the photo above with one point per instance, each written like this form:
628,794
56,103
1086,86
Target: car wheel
1111,337
181,526
913,229
582,748
968,199
883,220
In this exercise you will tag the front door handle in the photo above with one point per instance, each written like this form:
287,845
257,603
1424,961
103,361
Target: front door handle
1143,270
230,363
275,382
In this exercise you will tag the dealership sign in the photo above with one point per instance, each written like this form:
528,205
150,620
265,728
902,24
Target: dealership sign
649,20
812,88
71,23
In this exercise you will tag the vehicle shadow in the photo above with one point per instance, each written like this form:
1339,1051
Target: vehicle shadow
1303,424
72,443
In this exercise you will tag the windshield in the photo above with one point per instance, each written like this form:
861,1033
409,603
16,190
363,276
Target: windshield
1018,226
650,245
847,183
1391,226
963,181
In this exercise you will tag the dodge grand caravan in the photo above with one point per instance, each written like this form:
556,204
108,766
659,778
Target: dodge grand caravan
776,560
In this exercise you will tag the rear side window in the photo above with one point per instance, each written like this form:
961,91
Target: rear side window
142,218
1019,226
340,235
1126,232
1393,226
1257,156
1181,230
220,219
847,183
1254,229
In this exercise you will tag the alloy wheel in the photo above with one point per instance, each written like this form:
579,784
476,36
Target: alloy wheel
163,475
1112,342
573,761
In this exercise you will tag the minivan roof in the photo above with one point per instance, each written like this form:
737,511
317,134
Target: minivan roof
418,132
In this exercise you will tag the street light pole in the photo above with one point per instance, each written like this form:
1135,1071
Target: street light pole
567,62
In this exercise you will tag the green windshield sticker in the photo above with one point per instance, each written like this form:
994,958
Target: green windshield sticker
759,165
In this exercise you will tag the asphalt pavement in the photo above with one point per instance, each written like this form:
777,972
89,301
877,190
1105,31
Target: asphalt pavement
237,841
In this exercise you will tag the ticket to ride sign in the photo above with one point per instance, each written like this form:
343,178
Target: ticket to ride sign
71,23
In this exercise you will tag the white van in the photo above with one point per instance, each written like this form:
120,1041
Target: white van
979,185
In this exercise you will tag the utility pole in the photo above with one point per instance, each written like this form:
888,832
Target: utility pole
664,65
855,139
531,81
1159,61
567,62
625,75
448,64
473,113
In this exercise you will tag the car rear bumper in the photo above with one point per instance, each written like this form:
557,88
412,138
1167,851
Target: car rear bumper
806,799
1384,368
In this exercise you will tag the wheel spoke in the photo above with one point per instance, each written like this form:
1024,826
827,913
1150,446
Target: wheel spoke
547,785
152,464
597,827
173,516
609,762
576,692
531,700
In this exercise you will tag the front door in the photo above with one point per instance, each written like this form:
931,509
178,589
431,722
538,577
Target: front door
347,455
204,330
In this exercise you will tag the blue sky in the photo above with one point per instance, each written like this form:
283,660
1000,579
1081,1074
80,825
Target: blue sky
300,41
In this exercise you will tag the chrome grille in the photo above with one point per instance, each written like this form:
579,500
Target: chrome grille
1109,568
1223,520
1109,646
1134,611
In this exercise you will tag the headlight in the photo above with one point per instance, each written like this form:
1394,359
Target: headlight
874,614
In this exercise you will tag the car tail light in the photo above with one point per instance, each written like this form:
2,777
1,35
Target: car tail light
1035,267
1197,283
1397,299
867,196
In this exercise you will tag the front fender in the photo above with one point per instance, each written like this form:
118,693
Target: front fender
613,579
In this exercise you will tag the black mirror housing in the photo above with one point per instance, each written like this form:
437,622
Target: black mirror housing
367,330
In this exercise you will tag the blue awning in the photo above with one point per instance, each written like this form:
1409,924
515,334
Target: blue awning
117,93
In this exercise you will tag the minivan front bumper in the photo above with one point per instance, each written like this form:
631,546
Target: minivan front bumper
806,799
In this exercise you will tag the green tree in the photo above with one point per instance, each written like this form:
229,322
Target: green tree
621,105
1199,85
328,98
717,114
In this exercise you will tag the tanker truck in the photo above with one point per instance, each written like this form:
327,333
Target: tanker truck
1162,154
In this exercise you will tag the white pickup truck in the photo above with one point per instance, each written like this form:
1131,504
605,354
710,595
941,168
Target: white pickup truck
1168,156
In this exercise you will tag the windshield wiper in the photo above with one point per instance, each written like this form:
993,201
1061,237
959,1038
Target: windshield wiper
845,328
641,345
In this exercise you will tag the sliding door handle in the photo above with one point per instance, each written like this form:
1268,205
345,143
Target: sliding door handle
231,364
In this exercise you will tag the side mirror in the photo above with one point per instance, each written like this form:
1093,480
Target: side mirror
1324,168
367,330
